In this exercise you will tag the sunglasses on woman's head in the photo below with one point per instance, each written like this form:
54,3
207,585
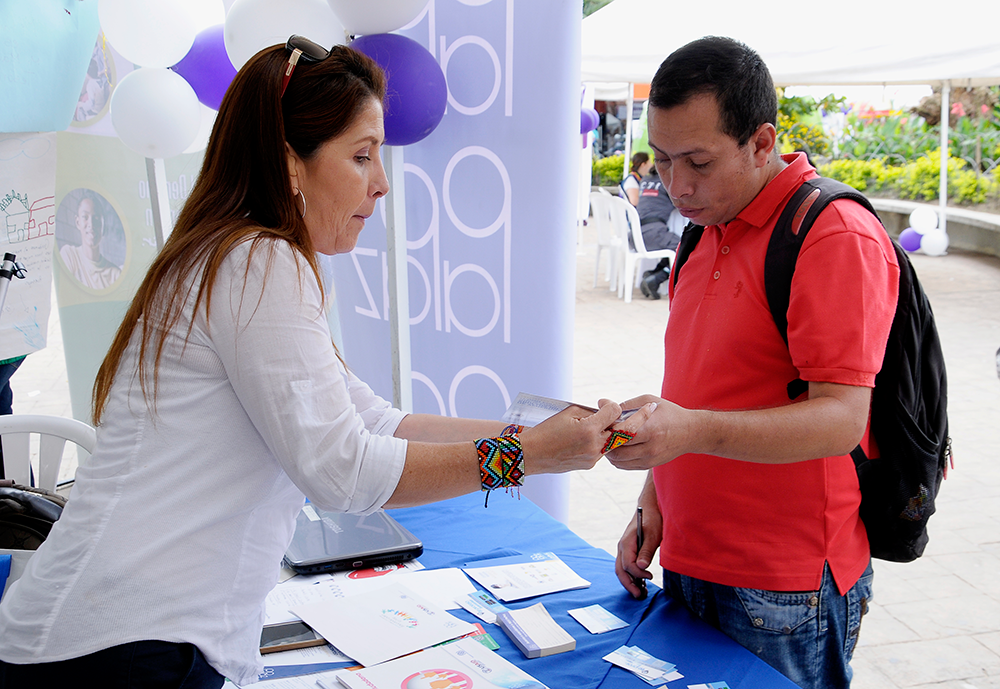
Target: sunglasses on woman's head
304,49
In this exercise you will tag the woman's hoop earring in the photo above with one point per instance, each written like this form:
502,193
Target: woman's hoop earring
299,193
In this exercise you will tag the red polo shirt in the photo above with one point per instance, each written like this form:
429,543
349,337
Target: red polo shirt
760,525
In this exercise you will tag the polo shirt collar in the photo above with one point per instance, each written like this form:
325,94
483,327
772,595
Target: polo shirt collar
777,192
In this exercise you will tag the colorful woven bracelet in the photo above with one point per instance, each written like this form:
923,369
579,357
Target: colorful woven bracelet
512,429
617,439
501,463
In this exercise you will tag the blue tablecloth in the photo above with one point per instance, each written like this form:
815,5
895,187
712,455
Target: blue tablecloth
459,531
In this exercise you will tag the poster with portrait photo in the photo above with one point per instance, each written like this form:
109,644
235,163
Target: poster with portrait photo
90,240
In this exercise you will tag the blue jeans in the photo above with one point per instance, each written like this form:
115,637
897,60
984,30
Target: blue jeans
807,636
138,665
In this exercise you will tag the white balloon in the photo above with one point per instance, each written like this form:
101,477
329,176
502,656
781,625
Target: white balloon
252,25
376,16
151,33
155,112
923,219
204,129
934,242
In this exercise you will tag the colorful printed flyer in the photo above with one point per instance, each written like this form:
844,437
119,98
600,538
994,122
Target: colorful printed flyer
464,663
380,625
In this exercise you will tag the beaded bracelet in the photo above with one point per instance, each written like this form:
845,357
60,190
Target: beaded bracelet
617,439
501,463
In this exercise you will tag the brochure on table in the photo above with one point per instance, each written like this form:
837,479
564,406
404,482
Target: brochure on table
465,663
440,586
384,624
524,576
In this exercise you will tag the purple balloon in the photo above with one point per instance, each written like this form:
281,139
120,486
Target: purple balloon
910,239
416,92
589,119
207,66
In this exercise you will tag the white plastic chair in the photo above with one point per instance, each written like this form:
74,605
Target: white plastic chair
53,432
625,218
607,238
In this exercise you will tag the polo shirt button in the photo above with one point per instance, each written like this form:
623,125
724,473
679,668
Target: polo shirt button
725,250
758,622
813,602
717,275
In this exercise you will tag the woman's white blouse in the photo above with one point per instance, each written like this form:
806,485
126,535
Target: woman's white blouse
177,524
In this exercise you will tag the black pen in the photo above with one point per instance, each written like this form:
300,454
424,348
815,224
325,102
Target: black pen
638,581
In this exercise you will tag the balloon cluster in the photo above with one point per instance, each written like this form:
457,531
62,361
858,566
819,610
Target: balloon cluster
167,105
923,233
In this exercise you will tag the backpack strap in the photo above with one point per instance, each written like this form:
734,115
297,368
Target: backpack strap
689,240
789,233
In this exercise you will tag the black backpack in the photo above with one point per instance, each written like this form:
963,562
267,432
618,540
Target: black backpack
909,418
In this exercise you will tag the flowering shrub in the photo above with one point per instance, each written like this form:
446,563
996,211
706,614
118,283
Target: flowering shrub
919,179
608,172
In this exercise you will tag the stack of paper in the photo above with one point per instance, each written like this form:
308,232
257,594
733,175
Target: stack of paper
464,663
535,632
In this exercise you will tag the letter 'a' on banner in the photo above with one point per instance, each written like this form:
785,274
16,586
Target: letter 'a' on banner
491,223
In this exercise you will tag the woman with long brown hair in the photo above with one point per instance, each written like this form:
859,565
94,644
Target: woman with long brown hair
222,402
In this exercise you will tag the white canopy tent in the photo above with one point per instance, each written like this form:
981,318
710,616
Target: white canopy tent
810,44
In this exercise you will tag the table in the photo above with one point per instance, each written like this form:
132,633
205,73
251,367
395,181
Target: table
460,531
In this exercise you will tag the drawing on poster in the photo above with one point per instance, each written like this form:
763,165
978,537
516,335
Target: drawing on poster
27,231
97,85
91,239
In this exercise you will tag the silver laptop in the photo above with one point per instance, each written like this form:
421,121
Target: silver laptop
332,541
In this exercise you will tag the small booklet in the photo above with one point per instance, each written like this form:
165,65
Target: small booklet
524,576
535,632
464,663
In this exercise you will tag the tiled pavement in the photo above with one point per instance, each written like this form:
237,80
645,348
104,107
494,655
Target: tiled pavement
934,622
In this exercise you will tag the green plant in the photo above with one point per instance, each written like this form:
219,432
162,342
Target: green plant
608,172
918,179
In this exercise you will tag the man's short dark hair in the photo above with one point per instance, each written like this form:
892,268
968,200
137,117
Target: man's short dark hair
734,73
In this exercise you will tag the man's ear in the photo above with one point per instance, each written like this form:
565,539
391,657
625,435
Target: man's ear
763,142
294,166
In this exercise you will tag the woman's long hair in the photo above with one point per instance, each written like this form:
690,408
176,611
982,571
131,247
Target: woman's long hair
243,190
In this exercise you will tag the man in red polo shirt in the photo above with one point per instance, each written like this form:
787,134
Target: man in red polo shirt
752,498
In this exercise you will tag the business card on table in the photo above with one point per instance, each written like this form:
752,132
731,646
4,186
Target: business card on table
597,620
482,605
648,668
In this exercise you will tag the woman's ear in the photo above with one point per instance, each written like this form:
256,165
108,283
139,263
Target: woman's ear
294,166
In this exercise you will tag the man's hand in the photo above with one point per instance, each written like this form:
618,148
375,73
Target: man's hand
631,564
657,441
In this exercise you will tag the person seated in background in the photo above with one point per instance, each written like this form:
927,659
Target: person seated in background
223,403
641,165
655,209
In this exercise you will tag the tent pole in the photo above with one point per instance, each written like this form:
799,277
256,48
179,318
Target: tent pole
945,154
399,300
628,131
159,199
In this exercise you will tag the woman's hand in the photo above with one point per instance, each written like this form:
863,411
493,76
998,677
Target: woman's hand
574,438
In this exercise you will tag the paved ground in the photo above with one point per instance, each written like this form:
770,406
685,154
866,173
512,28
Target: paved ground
935,622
